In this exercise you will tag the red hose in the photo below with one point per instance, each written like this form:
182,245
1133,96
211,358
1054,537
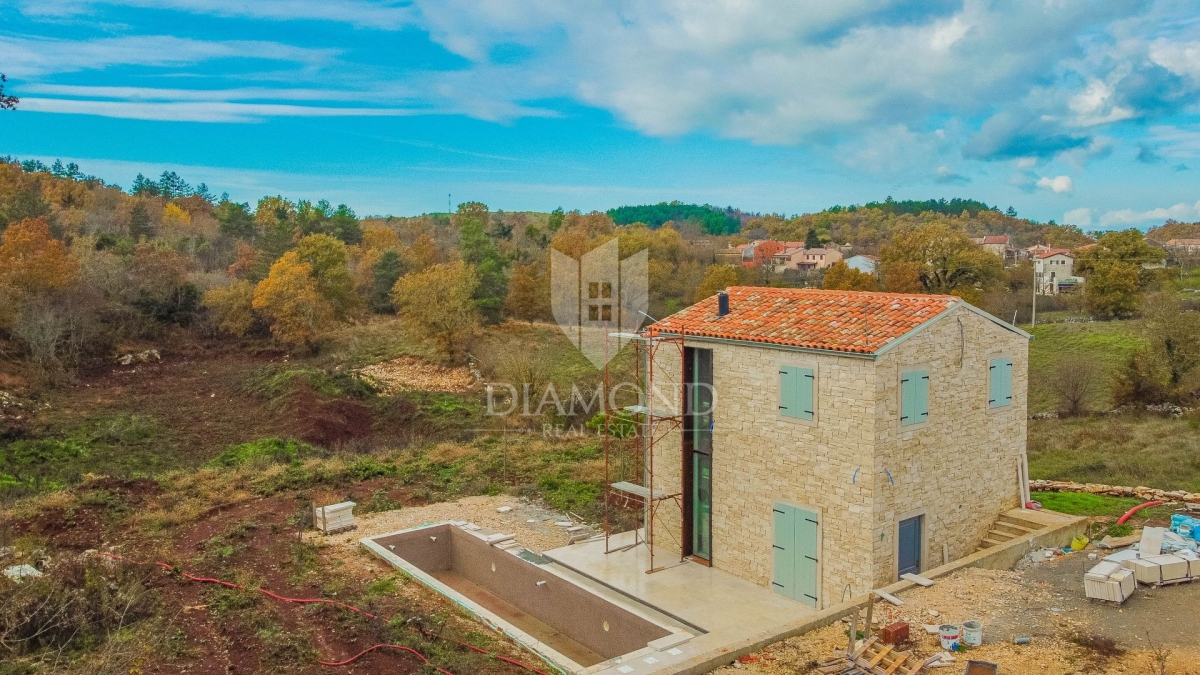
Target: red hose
1139,507
229,584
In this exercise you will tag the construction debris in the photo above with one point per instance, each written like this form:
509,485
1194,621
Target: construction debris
917,579
876,659
19,572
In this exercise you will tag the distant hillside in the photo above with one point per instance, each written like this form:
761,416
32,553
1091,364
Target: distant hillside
1173,229
715,220
915,207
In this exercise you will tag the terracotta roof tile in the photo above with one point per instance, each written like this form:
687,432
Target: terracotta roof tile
844,321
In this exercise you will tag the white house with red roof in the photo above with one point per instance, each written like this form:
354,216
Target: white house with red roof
1054,270
839,439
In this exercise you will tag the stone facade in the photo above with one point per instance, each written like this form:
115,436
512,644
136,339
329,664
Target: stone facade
958,469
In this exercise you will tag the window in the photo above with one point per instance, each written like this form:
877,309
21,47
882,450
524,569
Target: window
999,382
914,397
593,290
796,392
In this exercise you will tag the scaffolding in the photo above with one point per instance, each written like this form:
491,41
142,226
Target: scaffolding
629,477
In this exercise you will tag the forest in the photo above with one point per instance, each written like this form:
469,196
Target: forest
88,267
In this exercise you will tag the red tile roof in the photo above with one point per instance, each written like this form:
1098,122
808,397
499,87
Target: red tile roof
1053,252
996,239
843,321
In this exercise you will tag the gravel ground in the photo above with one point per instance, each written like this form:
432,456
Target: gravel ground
1044,602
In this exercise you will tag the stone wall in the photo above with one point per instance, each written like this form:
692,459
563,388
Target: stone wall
761,457
960,467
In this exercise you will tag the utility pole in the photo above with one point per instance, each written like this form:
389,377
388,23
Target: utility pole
1033,314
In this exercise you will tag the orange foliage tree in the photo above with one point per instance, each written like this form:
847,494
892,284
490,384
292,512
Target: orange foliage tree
842,277
290,301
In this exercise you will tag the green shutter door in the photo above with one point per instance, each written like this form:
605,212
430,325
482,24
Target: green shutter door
784,549
806,557
922,394
907,401
1000,383
795,554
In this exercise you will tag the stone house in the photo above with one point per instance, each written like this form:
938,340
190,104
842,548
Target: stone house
833,440
996,244
1053,269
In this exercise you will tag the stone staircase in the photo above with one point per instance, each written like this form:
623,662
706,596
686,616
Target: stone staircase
1007,528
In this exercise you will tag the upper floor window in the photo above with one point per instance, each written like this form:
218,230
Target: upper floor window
796,392
999,382
914,397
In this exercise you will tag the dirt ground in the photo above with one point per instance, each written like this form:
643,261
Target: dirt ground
1044,602
540,535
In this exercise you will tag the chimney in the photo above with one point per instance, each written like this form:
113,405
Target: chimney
722,303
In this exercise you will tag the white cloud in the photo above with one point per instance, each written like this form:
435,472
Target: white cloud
1181,211
1081,217
31,57
1177,142
388,15
203,111
1181,58
1057,185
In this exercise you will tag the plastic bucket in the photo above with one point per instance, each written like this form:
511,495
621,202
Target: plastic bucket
972,633
948,634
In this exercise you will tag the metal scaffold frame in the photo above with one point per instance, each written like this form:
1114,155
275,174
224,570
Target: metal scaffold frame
653,426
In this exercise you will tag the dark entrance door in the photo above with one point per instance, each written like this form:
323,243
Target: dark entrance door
697,446
909,546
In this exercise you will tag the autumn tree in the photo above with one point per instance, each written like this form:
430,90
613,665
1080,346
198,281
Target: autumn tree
175,218
289,299
438,304
422,254
232,307
328,259
942,258
528,294
1115,272
31,260
841,277
480,252
716,278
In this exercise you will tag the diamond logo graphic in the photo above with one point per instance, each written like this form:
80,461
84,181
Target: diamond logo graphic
596,295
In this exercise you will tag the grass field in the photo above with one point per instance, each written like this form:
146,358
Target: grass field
1108,344
1118,450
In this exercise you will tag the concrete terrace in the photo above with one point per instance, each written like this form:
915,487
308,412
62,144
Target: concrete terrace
725,610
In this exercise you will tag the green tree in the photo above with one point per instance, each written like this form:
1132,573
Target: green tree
139,221
556,220
943,259
811,240
1115,271
344,225
7,101
438,304
480,252
235,220
384,274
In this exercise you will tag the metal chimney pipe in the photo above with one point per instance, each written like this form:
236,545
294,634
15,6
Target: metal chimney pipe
722,303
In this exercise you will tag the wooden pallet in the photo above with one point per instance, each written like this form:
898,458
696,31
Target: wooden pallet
874,658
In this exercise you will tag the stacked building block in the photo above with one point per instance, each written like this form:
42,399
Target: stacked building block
334,517
1109,581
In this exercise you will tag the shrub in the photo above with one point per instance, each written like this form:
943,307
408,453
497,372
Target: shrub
270,450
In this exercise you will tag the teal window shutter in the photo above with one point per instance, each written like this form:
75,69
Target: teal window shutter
914,397
999,383
796,392
784,579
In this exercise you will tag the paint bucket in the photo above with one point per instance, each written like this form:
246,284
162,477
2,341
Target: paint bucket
948,634
972,633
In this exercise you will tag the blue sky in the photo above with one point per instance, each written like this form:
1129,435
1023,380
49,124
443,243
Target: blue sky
1084,111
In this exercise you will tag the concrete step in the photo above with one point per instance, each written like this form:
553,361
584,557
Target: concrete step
1000,535
1027,525
1015,530
988,543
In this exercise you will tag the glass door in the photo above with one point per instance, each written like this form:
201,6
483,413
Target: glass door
698,445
